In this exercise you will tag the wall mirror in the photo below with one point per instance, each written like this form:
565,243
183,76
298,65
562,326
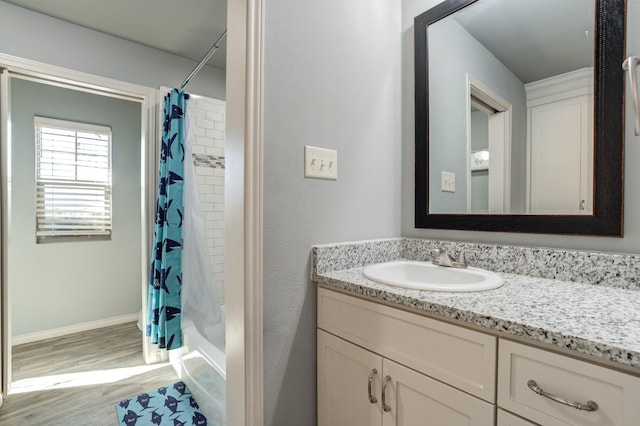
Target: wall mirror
519,116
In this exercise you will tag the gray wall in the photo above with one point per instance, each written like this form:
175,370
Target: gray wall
60,284
34,36
332,79
631,241
453,53
479,178
479,130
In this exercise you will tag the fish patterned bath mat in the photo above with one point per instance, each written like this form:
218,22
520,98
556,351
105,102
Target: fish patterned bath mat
169,405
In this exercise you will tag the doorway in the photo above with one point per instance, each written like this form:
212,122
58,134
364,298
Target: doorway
488,150
49,288
73,155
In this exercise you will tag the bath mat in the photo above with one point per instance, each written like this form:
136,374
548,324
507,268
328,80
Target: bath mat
171,405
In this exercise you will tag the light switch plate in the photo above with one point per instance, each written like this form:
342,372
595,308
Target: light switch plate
448,182
320,163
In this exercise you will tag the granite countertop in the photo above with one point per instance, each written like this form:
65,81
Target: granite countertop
598,321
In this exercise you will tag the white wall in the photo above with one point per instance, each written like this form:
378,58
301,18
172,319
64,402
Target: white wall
34,36
332,79
61,284
631,241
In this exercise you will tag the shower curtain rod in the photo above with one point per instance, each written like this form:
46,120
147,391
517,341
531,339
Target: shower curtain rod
204,60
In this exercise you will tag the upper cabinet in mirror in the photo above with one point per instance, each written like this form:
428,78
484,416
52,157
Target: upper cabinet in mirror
519,116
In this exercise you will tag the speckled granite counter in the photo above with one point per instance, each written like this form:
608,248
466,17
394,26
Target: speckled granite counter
599,321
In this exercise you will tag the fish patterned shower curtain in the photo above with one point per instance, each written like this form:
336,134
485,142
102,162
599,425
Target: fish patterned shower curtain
165,280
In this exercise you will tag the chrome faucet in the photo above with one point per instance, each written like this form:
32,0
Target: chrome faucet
440,258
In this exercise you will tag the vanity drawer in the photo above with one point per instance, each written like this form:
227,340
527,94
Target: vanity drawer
616,394
462,358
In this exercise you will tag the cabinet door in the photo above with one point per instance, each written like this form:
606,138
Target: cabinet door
343,383
413,399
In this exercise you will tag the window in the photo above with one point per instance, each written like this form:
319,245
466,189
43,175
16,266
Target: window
73,180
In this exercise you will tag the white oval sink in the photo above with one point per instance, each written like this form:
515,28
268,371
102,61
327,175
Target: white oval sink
427,276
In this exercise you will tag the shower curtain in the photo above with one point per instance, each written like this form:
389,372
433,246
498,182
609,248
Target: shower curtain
200,300
181,280
165,279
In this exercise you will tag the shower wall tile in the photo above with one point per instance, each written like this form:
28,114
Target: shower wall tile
195,110
207,106
207,119
204,123
213,151
214,116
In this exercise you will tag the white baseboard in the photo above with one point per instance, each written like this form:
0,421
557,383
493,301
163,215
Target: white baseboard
70,329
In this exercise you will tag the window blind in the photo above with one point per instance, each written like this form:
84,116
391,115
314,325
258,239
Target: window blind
73,179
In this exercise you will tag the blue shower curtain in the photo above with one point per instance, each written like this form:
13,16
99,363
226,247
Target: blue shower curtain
165,280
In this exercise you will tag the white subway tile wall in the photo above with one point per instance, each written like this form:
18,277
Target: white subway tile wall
207,120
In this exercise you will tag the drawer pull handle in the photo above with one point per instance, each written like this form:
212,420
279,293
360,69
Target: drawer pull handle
372,399
385,407
589,406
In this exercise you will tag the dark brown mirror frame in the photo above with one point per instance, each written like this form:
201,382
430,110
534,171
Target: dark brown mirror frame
607,218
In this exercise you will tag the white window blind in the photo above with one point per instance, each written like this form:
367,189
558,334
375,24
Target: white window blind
73,179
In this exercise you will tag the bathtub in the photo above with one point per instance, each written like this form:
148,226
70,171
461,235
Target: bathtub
202,366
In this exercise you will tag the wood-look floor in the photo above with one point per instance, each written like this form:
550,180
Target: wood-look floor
115,349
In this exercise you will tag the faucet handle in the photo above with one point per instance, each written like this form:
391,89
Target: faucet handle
435,255
439,257
462,257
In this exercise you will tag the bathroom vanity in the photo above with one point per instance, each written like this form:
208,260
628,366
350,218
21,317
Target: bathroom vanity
558,343
535,351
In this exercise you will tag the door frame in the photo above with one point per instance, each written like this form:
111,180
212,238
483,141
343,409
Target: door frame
63,77
243,212
500,140
5,329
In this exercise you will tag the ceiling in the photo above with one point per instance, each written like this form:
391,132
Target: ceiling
535,39
186,28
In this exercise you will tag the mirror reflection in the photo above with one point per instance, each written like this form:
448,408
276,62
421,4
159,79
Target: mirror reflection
511,108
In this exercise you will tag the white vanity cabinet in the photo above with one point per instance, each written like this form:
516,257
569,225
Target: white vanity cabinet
372,356
429,372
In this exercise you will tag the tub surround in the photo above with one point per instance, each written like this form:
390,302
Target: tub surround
579,301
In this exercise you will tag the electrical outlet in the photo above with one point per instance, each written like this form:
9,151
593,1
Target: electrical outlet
320,163
448,182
